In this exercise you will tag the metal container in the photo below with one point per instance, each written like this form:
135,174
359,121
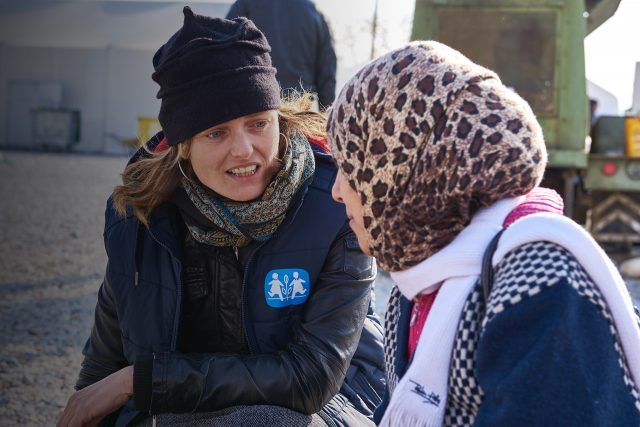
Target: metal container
55,128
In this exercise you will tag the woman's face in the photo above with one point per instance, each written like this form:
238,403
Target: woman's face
237,159
343,193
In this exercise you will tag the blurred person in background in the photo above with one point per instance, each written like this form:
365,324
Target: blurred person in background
506,313
235,292
303,52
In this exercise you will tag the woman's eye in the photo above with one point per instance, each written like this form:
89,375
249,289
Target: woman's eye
261,124
215,134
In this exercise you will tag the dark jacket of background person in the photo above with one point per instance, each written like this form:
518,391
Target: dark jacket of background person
299,356
301,43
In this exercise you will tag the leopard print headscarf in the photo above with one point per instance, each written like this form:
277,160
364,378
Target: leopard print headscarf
427,137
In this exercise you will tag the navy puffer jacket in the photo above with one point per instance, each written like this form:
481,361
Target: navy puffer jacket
323,355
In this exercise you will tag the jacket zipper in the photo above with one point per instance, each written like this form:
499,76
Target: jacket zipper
136,249
151,398
243,299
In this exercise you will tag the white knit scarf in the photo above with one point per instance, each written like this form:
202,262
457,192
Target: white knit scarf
420,397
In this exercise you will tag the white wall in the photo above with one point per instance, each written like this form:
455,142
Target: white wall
96,23
99,52
128,98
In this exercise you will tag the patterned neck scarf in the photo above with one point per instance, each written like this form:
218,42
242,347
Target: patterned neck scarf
218,221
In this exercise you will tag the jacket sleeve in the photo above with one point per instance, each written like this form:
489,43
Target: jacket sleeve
549,358
326,63
103,353
304,377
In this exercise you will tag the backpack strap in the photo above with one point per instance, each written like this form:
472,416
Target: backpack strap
486,275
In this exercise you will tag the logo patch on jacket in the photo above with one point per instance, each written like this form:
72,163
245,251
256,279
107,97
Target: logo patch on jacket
286,286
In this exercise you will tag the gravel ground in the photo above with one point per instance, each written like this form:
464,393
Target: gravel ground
51,263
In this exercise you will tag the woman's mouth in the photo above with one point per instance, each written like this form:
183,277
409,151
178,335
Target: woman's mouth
244,171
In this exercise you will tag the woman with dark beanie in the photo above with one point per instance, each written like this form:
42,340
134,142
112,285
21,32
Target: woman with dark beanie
235,292
436,157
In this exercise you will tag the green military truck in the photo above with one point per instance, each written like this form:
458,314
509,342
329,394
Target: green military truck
537,47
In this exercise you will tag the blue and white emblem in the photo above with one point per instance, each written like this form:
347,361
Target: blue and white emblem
286,286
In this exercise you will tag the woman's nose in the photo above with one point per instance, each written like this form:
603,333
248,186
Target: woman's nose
242,147
335,191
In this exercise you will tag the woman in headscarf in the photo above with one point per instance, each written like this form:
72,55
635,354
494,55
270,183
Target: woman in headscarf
436,157
235,293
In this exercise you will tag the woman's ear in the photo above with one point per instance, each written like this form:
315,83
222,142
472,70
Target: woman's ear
184,150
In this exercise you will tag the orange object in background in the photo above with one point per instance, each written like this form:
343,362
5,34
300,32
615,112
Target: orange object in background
632,136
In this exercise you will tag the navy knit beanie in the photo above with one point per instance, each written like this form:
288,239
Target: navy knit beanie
211,71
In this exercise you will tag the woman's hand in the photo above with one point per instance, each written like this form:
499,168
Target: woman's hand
88,406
